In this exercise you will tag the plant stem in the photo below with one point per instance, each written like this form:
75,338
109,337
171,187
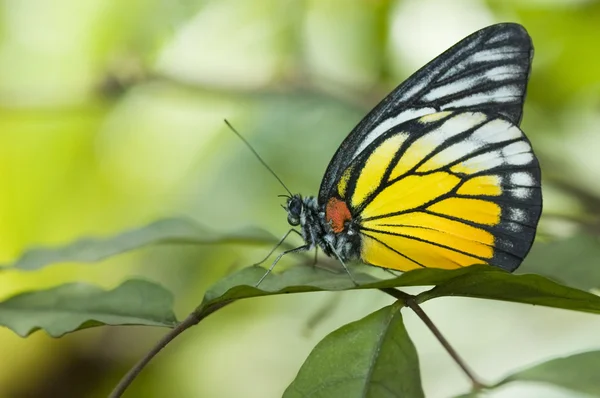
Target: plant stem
409,301
191,320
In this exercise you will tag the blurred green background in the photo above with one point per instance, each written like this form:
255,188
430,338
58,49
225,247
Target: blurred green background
111,116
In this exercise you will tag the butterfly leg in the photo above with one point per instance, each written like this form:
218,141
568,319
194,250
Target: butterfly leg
296,250
389,271
343,264
277,245
316,253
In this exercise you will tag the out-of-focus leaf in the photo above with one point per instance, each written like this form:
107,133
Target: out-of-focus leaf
578,372
480,281
323,313
373,357
563,35
332,25
302,279
299,279
171,230
76,306
528,289
574,261
144,26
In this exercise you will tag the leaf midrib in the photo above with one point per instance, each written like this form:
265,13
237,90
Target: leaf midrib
377,351
89,314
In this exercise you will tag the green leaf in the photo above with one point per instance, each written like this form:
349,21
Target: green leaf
574,261
76,306
297,279
302,279
171,230
567,26
495,284
577,372
480,281
373,357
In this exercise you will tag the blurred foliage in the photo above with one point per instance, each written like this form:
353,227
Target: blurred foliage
166,231
111,117
565,372
74,306
573,260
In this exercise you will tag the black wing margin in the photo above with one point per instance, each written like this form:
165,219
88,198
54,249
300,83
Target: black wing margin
486,71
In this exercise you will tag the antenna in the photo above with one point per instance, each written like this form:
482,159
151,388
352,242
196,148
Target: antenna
257,156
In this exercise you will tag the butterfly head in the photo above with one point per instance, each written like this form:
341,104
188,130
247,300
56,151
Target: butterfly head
294,207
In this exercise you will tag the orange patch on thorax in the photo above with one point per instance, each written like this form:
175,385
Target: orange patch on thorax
337,213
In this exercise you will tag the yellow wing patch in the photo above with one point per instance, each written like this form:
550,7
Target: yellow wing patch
425,145
474,210
416,253
343,183
434,117
409,193
440,238
481,186
377,163
376,253
442,203
439,223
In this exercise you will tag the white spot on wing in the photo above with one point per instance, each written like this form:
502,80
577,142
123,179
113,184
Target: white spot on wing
518,215
415,89
503,72
518,153
499,73
453,153
504,243
452,88
452,71
521,193
461,123
497,130
516,148
451,127
523,179
520,159
513,227
494,54
387,124
485,161
500,94
499,37
489,55
432,140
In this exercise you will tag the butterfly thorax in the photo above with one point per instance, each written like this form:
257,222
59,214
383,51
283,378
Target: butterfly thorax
337,237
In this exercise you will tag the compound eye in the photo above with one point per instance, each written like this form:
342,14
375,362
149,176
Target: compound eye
295,207
293,221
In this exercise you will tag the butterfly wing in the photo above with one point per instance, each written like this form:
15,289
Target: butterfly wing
487,71
446,190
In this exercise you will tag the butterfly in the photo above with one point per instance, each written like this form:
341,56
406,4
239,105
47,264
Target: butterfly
438,174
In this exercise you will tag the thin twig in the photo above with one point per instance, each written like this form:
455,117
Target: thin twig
187,323
397,294
195,317
410,302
